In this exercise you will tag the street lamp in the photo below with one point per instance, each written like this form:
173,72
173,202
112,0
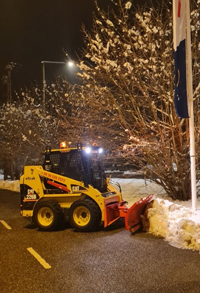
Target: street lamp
69,63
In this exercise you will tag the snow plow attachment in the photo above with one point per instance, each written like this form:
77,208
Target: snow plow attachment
132,215
133,220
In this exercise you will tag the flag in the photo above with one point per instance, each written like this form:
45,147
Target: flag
179,29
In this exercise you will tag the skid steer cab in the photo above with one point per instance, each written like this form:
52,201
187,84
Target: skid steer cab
72,185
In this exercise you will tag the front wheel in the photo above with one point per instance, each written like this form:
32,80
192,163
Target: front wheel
47,215
85,215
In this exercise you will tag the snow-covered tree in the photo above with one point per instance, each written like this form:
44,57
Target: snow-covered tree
128,76
26,128
20,133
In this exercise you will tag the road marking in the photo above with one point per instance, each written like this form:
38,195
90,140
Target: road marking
39,258
5,224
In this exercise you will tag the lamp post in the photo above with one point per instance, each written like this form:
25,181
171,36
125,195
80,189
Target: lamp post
9,67
70,63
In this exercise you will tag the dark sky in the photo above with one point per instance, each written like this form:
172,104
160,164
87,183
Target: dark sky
36,30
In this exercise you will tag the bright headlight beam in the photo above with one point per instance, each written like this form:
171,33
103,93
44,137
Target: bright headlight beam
100,151
88,150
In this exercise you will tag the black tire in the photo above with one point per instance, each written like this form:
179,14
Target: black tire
85,215
47,215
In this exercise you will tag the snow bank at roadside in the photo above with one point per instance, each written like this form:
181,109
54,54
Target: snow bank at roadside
180,226
9,184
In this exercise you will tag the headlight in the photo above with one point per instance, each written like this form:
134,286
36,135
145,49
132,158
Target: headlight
88,150
100,151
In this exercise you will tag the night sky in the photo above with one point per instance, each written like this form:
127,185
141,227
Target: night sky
36,30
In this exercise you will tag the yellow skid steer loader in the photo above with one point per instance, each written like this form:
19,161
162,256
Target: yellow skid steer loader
71,184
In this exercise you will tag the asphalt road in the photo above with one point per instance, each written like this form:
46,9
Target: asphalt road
108,261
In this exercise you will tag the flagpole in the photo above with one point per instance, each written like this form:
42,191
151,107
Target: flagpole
190,107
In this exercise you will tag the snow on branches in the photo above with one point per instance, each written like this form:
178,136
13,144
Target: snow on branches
129,52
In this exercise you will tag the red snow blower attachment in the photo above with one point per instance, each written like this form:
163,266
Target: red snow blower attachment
132,215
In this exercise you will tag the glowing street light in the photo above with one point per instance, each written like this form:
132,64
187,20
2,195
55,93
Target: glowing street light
70,64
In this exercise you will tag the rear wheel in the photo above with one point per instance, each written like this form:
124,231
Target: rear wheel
84,215
47,215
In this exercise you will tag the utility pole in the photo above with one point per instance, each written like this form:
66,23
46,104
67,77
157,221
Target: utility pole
9,67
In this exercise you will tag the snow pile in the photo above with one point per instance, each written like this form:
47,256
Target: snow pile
10,185
175,223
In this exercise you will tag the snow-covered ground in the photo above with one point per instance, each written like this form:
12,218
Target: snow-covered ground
8,184
173,220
